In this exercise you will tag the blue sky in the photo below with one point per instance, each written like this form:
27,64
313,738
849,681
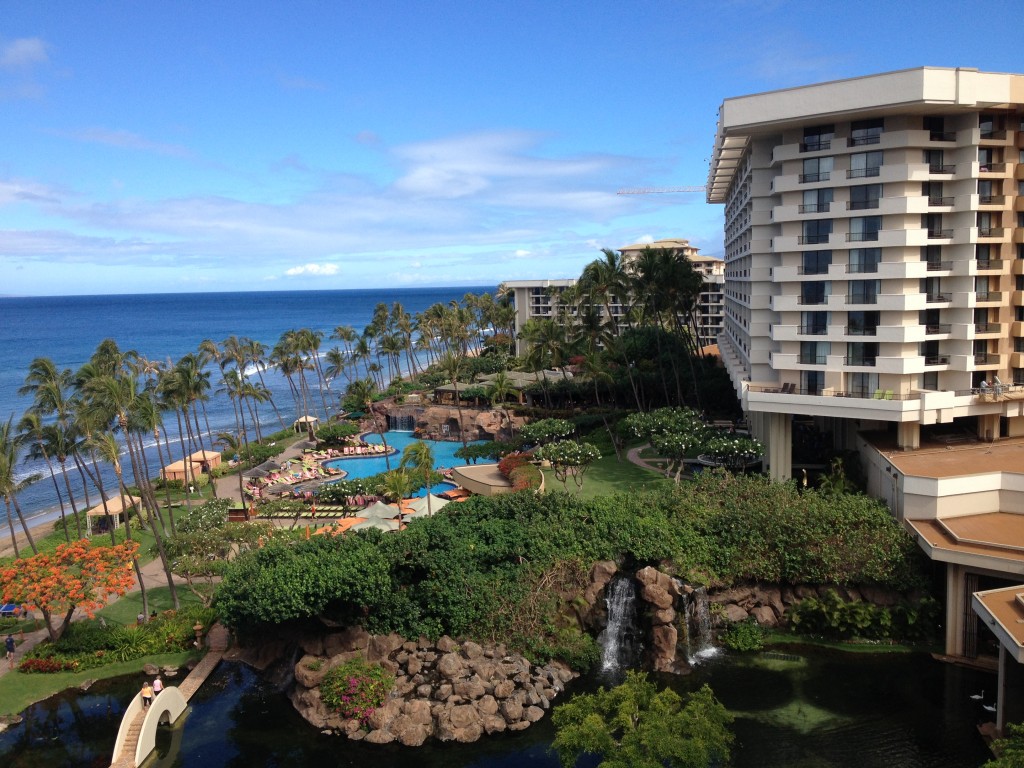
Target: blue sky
194,146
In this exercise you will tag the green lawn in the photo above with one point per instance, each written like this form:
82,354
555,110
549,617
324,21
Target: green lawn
127,609
17,691
608,475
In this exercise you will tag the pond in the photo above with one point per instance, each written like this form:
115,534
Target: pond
802,710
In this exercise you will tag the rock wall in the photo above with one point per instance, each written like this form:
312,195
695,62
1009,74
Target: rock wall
477,423
445,690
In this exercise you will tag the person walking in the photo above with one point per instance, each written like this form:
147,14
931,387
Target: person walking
9,645
147,695
158,685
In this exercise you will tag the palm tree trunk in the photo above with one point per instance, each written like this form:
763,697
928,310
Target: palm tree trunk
74,509
128,536
24,525
10,524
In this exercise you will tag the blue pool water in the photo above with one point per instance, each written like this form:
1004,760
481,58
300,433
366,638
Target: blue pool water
359,467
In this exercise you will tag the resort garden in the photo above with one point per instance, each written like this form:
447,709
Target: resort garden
509,568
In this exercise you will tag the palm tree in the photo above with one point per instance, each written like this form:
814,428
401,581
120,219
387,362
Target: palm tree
419,457
453,366
361,390
255,354
32,431
10,486
110,451
396,485
499,390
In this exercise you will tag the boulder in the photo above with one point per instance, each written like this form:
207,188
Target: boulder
450,666
734,613
664,616
446,644
493,724
380,647
413,665
409,733
310,670
469,689
472,650
765,616
504,689
350,639
383,715
663,647
379,737
533,714
487,706
657,595
511,710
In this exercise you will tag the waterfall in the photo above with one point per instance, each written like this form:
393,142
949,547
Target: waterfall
619,640
401,422
696,626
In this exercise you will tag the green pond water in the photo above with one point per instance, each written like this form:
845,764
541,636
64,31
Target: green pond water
831,710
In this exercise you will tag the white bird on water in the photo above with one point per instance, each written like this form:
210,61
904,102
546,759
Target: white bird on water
989,707
978,696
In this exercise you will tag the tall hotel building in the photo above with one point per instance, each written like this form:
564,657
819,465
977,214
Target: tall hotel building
874,251
874,292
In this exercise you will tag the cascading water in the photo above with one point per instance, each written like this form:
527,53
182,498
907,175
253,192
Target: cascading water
697,624
401,422
619,640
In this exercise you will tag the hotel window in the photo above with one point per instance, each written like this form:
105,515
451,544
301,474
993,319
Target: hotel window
931,287
865,164
817,138
864,260
814,323
814,352
862,323
987,224
936,160
933,191
990,126
816,169
812,382
983,254
986,191
983,288
816,262
987,159
863,384
933,255
865,228
864,197
861,352
864,132
815,292
864,291
936,127
816,200
816,231
932,224
930,381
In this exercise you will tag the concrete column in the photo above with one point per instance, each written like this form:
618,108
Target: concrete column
954,610
1001,694
778,441
988,427
908,435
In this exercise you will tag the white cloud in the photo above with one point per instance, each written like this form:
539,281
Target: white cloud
23,53
647,239
521,253
312,269
127,140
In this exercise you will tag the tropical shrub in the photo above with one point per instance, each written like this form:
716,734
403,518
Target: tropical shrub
46,666
355,689
337,433
743,636
525,477
546,431
832,617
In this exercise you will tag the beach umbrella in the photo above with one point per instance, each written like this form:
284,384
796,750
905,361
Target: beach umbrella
269,466
379,510
379,523
254,472
419,505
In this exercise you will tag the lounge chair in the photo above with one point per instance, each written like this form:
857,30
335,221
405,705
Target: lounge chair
878,394
888,394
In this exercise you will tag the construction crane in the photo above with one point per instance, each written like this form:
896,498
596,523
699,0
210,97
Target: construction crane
658,190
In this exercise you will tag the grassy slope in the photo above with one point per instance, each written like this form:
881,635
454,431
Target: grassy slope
607,475
17,691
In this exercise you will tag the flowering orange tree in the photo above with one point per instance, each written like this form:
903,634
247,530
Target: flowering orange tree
76,575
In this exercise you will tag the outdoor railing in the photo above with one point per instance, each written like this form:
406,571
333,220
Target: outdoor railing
815,145
862,394
939,234
940,266
990,231
936,360
862,298
984,264
939,168
988,328
806,178
942,136
861,173
991,199
940,201
863,141
816,269
862,205
862,268
868,362
812,239
938,298
812,360
812,330
997,135
992,168
986,358
814,207
988,296
932,330
861,237
858,330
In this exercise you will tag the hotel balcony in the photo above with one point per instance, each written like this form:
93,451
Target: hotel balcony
985,266
992,201
986,361
1017,299
984,299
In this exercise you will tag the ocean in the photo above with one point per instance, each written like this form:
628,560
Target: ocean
67,329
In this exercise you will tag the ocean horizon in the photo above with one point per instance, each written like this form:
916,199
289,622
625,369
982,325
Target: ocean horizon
167,326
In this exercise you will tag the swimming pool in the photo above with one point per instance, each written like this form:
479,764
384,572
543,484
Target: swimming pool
366,466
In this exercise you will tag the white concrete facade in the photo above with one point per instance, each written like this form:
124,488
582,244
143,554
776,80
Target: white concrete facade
874,251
